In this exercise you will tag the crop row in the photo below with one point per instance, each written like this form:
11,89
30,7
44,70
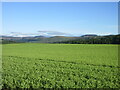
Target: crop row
21,72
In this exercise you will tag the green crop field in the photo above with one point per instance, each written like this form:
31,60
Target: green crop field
34,65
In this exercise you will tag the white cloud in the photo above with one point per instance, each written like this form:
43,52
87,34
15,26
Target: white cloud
39,33
52,33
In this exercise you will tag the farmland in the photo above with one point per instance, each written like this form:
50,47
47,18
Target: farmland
33,65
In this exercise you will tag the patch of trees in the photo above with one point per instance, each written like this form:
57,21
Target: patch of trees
110,39
2,41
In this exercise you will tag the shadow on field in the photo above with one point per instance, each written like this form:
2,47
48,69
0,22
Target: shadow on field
6,87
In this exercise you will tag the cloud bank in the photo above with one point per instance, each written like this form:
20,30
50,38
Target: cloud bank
39,33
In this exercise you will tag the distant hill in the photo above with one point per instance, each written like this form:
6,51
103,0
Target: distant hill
38,39
109,39
89,35
84,39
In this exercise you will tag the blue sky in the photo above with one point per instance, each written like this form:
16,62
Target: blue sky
66,17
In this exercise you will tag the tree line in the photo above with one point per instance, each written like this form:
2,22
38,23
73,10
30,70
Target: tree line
110,39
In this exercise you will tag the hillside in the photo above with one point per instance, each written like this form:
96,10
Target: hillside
109,39
38,39
85,39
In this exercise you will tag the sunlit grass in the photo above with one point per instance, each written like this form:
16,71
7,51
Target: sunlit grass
60,66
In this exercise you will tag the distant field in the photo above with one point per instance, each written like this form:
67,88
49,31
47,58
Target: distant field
60,66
